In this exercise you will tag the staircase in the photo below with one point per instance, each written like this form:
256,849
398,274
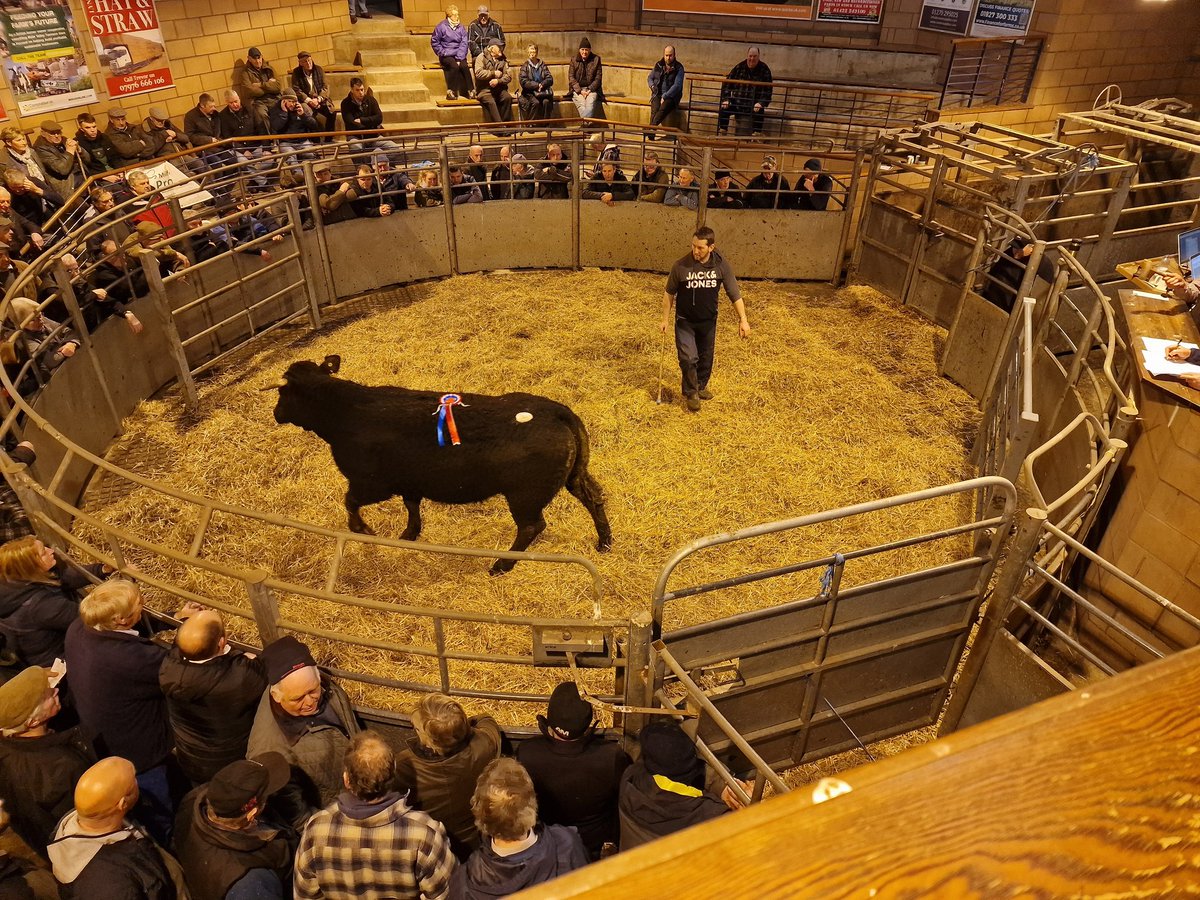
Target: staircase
391,61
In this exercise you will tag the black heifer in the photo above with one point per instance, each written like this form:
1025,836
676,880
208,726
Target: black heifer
385,441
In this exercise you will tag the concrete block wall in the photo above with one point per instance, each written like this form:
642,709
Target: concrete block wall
513,15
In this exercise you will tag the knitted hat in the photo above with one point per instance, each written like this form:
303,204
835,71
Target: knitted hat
254,53
247,783
21,310
721,173
813,165
585,44
284,657
667,750
20,697
288,95
568,715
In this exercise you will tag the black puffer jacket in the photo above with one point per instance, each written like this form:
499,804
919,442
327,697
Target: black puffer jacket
37,780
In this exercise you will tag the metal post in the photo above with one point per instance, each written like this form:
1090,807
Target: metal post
158,292
848,217
310,288
576,151
264,605
314,207
705,181
448,203
1012,576
639,689
66,291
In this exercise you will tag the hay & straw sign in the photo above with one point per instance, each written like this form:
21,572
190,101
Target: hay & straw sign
129,42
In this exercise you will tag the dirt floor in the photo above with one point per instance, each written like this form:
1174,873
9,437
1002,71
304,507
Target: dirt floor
833,400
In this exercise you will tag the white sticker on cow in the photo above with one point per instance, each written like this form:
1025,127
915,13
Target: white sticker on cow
524,417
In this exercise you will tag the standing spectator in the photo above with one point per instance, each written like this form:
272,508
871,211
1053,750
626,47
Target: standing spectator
396,185
722,194
463,187
226,849
361,13
38,766
428,193
482,31
305,716
666,87
492,78
256,84
334,199
813,187
132,144
516,853
610,186
308,81
554,177
768,189
114,679
522,178
586,77
653,180
98,853
745,101
39,599
476,169
58,158
443,763
369,842
213,692
577,775
537,87
450,45
366,195
501,183
663,792
96,150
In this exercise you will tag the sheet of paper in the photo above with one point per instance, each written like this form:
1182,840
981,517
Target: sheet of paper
1147,296
1155,358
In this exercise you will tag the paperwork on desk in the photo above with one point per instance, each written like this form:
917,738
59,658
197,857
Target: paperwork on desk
1161,297
1155,356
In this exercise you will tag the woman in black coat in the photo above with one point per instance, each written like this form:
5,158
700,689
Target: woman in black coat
38,599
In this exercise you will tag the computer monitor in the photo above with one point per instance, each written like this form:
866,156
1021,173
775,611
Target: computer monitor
1189,249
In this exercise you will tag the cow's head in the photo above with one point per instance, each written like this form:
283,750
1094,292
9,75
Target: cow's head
298,401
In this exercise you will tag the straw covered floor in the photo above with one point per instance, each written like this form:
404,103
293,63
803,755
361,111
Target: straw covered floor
833,400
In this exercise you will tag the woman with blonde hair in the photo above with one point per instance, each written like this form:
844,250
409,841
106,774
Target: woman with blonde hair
39,599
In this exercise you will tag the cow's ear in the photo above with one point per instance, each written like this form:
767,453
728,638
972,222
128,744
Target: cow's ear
332,363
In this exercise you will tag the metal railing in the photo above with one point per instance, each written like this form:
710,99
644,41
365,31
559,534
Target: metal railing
991,71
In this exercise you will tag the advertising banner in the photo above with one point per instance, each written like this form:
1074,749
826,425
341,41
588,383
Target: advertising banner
949,16
791,9
43,59
129,42
866,12
1009,18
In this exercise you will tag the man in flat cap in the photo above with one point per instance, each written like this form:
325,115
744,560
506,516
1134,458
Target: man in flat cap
482,31
256,84
577,774
308,81
227,850
38,766
166,138
305,716
58,156
133,145
288,119
492,78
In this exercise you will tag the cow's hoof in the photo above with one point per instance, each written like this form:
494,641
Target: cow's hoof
361,528
501,567
604,546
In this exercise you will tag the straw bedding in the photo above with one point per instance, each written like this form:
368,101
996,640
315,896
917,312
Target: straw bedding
833,400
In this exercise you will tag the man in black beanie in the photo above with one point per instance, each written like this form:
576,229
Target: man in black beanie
306,717
575,772
663,792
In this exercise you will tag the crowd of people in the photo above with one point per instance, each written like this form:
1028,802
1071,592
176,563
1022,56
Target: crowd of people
136,766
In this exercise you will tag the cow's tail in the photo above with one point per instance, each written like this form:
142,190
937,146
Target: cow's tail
582,485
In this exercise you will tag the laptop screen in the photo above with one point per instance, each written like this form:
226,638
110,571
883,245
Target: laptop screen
1189,247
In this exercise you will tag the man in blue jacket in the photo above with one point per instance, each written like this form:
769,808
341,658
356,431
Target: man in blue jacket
666,86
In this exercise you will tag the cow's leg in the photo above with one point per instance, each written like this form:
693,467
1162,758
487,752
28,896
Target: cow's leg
413,529
353,505
587,491
529,525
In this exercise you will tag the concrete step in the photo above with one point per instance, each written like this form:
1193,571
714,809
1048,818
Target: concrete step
406,113
379,24
388,94
388,58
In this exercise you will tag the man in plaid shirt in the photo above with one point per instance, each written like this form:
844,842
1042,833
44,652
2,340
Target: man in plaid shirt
370,820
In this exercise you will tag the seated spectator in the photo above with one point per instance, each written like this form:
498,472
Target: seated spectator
334,199
404,853
476,169
35,201
451,46
586,77
44,340
653,180
151,204
213,692
119,275
482,31
20,879
288,119
114,680
537,87
666,87
685,192
305,716
95,148
103,224
554,176
429,193
58,158
813,187
308,81
255,82
97,303
501,183
577,775
97,852
768,189
252,224
241,125
745,94
610,186
38,766
11,269
39,592
516,852
443,763
202,123
366,195
17,154
492,78
722,195
225,848
522,182
147,242
663,792
167,138
27,235
362,115
463,187
132,144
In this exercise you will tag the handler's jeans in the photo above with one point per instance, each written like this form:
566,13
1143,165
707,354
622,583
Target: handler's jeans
694,342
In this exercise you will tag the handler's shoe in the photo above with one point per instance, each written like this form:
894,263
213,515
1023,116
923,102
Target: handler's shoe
705,394
693,402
